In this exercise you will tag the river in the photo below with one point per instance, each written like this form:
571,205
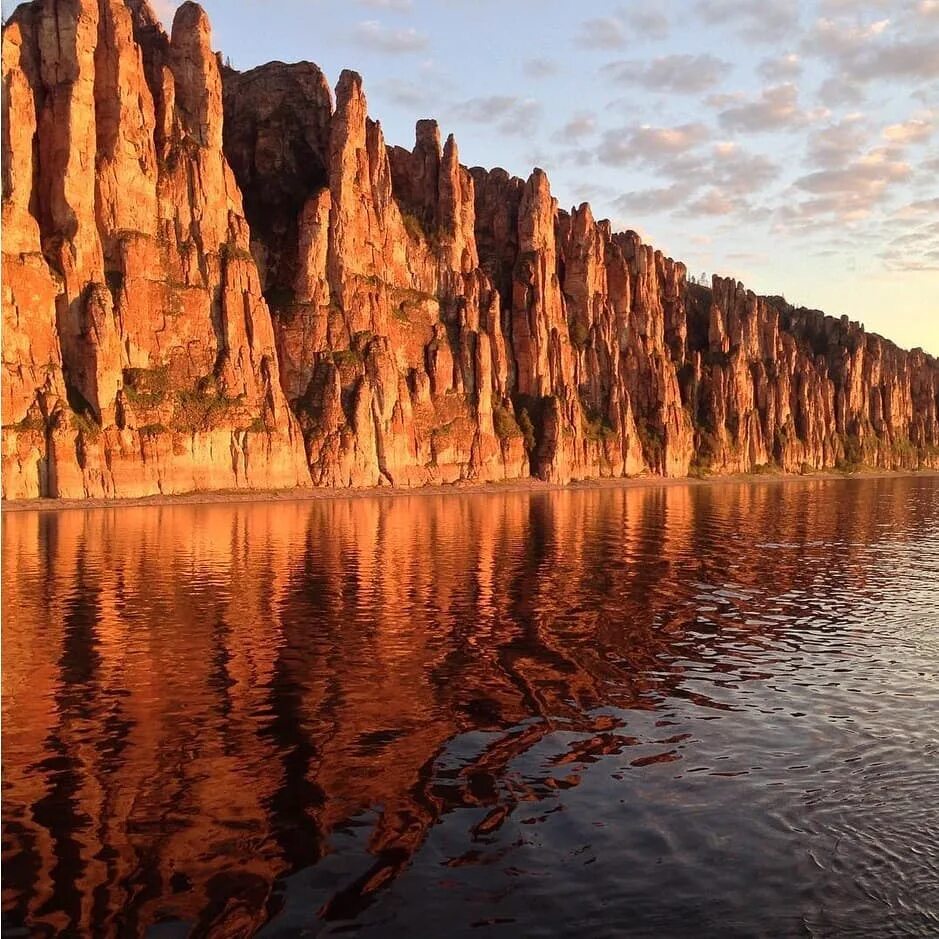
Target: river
649,711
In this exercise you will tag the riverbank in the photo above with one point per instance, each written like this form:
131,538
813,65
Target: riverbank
460,488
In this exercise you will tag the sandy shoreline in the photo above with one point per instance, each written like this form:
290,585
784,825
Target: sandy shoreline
461,488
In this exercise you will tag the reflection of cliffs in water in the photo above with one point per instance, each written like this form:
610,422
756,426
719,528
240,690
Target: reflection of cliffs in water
195,699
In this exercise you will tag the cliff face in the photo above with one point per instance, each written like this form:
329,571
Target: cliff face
216,279
138,351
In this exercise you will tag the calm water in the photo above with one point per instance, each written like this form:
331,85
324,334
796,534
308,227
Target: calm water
684,711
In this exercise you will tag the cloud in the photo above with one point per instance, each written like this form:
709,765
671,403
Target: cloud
930,165
540,68
628,145
916,250
903,47
614,32
756,20
867,176
776,108
895,262
398,6
405,93
375,36
830,8
573,156
781,68
914,58
915,130
676,74
716,183
875,51
748,257
655,199
649,23
602,32
509,114
841,90
927,207
845,194
713,202
738,172
834,39
597,192
581,124
839,142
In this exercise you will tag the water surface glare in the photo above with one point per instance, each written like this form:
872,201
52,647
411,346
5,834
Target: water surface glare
665,711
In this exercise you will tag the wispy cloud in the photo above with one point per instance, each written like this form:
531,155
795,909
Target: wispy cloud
374,35
773,109
512,115
399,6
756,20
677,74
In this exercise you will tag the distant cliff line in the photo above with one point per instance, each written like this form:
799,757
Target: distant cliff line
224,280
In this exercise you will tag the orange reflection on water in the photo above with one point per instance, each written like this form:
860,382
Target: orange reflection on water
195,698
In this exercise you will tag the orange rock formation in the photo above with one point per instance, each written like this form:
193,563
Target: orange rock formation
215,279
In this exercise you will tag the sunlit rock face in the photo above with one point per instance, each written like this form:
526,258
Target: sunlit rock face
215,279
435,323
138,352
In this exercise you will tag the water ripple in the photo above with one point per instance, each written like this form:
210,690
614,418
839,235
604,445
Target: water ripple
664,711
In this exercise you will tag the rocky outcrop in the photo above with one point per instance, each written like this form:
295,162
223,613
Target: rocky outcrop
389,336
216,279
138,351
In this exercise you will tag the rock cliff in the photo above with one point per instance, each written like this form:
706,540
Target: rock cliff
138,350
215,279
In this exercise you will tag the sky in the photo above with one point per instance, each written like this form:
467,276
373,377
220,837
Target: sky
793,144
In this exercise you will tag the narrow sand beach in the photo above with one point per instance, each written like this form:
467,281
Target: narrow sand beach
459,488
